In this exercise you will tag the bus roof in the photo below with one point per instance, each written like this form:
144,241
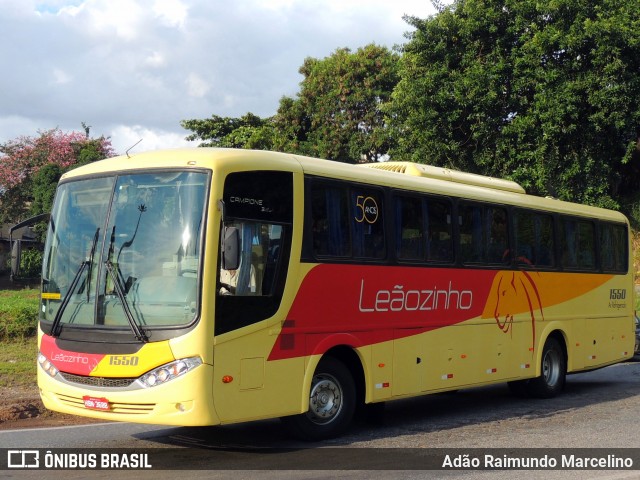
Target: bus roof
441,173
400,175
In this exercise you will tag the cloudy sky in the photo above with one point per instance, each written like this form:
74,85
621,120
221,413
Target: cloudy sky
132,69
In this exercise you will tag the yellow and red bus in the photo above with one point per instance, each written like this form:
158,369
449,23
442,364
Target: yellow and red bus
214,286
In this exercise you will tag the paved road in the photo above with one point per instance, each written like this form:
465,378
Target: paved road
598,409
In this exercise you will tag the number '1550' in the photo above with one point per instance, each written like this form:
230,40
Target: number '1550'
617,294
123,360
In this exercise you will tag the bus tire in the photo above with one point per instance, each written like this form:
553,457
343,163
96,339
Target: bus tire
332,402
553,368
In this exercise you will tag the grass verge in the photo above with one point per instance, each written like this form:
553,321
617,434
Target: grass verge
18,341
18,362
18,314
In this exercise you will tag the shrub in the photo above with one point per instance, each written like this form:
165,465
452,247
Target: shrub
18,313
31,263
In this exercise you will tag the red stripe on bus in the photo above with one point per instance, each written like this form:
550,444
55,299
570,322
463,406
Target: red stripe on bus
364,305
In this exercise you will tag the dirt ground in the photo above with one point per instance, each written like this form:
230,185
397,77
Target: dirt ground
21,407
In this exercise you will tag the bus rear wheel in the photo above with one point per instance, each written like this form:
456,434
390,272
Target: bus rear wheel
332,402
553,369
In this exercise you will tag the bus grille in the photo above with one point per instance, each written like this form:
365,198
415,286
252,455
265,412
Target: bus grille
98,381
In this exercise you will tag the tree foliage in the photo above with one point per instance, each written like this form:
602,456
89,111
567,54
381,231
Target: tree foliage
545,92
30,168
335,115
248,131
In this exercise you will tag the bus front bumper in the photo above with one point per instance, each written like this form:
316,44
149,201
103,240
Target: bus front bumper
183,401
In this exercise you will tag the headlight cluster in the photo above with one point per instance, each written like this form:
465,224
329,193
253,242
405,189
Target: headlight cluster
46,365
165,373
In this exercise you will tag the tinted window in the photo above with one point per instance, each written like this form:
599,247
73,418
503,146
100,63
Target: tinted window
367,223
347,222
261,195
614,247
410,241
330,217
439,236
423,229
534,239
578,244
483,234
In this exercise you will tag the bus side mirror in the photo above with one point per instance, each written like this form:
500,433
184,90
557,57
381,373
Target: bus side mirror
16,245
230,248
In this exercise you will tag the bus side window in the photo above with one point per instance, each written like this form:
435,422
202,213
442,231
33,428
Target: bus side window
534,239
578,244
484,235
587,255
613,247
367,223
329,212
439,235
471,244
498,247
409,228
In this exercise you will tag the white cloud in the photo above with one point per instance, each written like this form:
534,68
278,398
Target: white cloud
196,86
68,9
123,19
61,77
172,13
135,68
125,137
155,60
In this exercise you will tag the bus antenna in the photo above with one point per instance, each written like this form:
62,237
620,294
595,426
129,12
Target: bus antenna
127,152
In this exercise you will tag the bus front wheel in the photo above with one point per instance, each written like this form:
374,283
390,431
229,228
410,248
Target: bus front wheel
332,402
553,369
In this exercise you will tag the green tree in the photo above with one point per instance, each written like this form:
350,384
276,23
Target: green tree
337,112
293,126
544,92
43,188
248,131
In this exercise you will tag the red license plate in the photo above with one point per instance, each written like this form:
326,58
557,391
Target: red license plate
96,403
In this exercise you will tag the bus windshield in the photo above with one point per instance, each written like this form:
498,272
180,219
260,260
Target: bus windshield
123,252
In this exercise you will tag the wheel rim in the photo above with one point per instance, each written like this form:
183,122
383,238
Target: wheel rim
325,400
551,368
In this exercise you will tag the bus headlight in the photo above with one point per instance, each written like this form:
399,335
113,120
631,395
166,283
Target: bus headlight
168,372
46,365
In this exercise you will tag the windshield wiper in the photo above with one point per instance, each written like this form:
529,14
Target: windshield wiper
55,326
135,328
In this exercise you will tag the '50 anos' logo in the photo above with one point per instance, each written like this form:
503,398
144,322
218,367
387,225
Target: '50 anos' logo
366,209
